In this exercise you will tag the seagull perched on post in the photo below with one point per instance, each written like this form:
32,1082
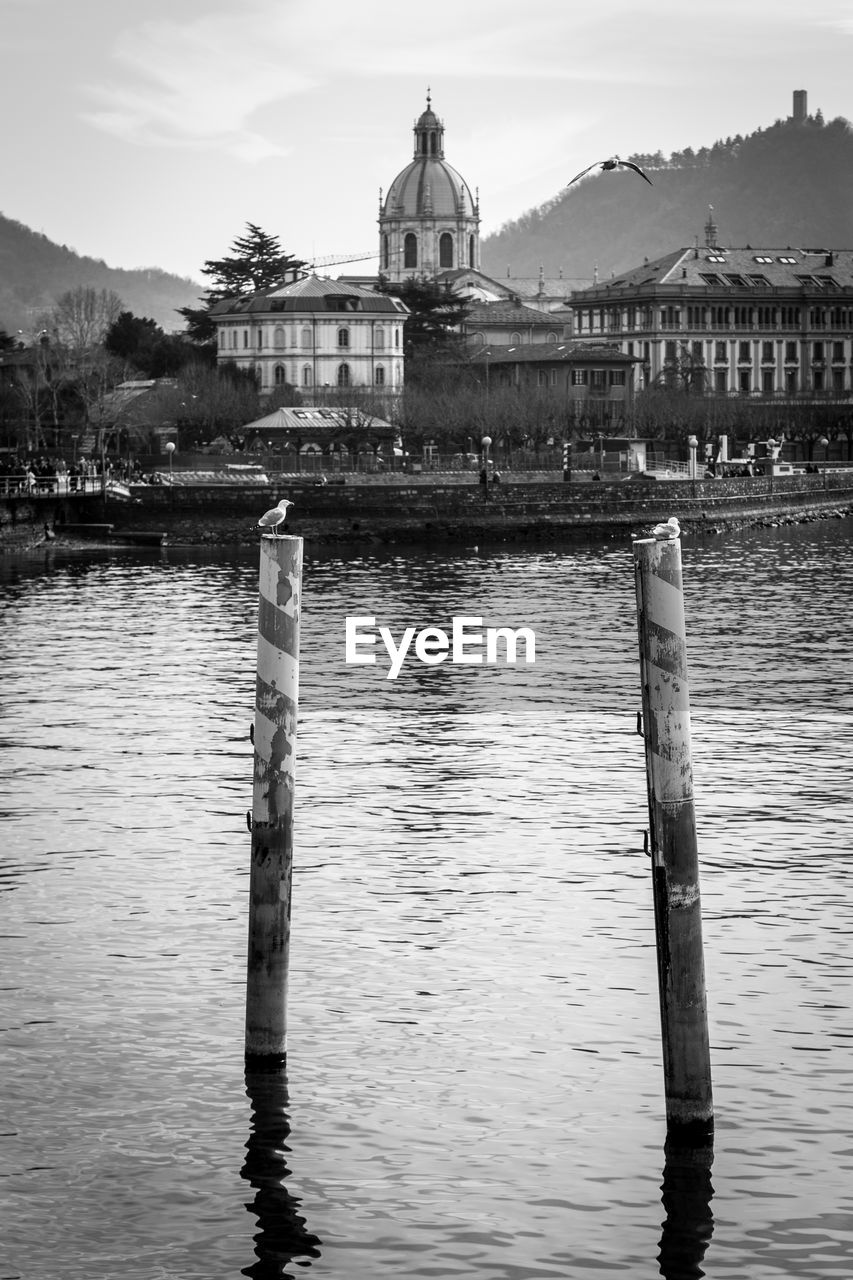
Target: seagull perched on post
665,531
272,519
613,163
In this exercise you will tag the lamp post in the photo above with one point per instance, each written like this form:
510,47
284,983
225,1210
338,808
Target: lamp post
824,444
771,458
486,441
693,445
170,449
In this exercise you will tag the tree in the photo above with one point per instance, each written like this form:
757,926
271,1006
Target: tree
257,261
143,344
82,317
431,335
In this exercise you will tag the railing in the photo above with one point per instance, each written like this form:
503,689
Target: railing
29,486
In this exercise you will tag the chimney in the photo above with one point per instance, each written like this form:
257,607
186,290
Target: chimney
800,105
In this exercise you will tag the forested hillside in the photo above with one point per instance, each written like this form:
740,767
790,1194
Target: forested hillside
790,184
34,272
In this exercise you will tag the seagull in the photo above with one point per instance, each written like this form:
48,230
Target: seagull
613,163
272,519
663,532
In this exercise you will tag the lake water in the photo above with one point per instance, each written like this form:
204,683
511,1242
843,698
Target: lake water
474,1084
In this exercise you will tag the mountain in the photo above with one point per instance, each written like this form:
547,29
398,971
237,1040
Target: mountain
790,184
34,271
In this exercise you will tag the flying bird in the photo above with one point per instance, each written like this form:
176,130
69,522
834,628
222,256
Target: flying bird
613,163
272,519
669,530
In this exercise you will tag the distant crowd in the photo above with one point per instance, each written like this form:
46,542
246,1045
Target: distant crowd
43,473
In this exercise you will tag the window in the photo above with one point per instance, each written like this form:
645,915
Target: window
744,355
669,352
790,317
278,338
386,252
719,317
379,339
343,337
306,375
710,278
542,377
580,377
838,379
599,378
760,257
720,380
245,338
279,375
343,375
767,381
260,338
553,377
791,353
791,381
818,352
743,317
471,256
515,338
817,379
766,317
721,355
715,257
222,337
396,337
744,379
670,317
695,317
379,375
552,337
445,249
837,352
410,250
767,353
617,377
783,258
306,339
738,281
696,352
760,282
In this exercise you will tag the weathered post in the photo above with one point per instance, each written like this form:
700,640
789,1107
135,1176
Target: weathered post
276,700
674,854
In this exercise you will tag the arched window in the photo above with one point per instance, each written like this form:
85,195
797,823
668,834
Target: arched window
386,252
379,375
396,337
307,342
343,337
222,337
552,337
278,337
515,338
470,251
343,375
279,375
306,375
479,337
445,250
379,339
410,250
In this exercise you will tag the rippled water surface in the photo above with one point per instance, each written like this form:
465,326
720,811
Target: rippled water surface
474,1085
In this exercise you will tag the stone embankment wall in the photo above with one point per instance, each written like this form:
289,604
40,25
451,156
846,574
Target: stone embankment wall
417,511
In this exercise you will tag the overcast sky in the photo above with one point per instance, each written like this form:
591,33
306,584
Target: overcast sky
148,134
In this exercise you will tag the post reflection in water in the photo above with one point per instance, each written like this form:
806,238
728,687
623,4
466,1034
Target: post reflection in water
689,1222
282,1234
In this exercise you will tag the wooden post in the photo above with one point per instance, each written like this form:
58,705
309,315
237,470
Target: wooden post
276,700
675,862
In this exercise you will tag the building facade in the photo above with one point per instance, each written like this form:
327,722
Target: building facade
316,335
595,381
429,221
760,324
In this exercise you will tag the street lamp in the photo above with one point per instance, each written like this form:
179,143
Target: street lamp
486,441
824,444
170,449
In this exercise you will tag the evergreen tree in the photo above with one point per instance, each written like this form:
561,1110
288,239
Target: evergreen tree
256,261
432,329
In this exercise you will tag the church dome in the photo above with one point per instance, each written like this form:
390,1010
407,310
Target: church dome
429,187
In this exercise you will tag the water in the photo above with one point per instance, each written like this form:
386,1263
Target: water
474,1085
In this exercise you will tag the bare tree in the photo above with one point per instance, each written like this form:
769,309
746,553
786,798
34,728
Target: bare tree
82,316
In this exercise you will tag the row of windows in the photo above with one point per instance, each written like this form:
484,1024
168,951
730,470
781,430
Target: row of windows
704,316
820,352
306,337
343,376
412,253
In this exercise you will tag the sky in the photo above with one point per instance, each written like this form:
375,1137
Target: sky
148,135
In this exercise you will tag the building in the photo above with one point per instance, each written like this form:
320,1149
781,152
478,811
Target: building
314,334
429,221
761,324
316,431
594,380
510,323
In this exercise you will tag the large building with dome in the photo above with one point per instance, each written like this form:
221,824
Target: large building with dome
429,221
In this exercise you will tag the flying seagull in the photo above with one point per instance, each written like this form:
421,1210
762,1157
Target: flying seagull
272,519
613,163
665,531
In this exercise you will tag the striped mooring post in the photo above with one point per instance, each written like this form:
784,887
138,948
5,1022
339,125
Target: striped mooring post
276,701
672,822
